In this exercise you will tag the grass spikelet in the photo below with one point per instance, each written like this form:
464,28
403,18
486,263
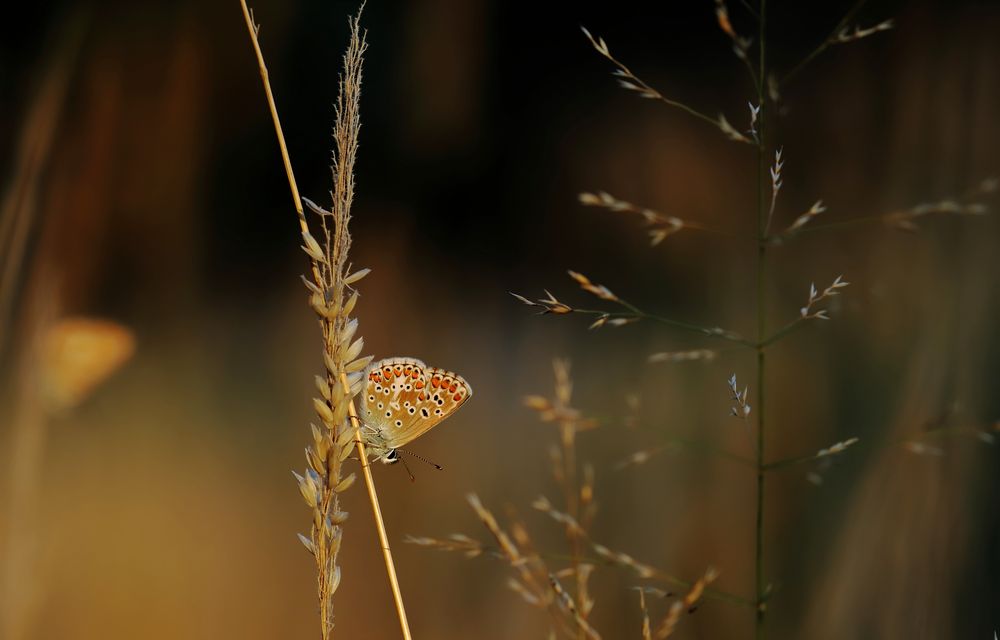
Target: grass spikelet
661,226
631,82
566,603
685,603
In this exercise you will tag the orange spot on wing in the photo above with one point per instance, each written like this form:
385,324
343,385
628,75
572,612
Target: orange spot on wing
419,385
422,396
435,382
452,388
458,396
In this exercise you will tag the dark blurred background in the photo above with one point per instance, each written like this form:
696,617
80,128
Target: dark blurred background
138,136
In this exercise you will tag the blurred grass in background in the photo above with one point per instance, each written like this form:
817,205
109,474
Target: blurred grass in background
166,508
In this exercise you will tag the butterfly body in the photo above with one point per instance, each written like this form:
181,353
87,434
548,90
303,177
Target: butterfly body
402,399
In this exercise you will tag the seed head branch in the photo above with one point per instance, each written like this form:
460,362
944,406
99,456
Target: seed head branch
629,81
660,225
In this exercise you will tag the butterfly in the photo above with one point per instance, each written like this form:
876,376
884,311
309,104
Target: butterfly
402,399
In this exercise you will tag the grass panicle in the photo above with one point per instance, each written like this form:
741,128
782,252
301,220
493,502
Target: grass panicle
332,294
563,590
770,165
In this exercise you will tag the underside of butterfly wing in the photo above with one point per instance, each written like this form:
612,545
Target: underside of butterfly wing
403,399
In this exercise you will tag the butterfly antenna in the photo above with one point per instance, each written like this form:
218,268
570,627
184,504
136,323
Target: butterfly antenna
408,472
422,459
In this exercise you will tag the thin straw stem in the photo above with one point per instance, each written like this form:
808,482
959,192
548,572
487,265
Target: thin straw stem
390,566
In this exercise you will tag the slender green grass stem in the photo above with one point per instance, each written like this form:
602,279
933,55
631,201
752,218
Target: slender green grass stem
638,314
782,332
760,580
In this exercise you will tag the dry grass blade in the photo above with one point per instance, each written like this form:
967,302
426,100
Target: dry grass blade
34,146
24,450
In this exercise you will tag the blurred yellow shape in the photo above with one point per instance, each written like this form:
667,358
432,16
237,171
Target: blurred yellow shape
78,354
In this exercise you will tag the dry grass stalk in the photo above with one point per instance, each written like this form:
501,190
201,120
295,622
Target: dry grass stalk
848,35
629,81
769,175
333,297
628,313
579,502
24,452
804,219
740,44
20,202
566,603
647,631
815,297
456,542
535,581
906,220
532,582
971,203
686,603
706,355
579,496
661,226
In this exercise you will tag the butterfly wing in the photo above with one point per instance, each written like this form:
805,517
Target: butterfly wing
404,398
